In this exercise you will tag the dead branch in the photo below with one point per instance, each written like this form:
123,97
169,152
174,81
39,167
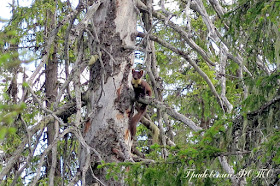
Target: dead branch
178,29
14,158
186,57
171,112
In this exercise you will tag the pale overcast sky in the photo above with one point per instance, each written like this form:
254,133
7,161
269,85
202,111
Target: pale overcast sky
5,10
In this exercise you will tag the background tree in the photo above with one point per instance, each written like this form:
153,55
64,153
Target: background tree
213,67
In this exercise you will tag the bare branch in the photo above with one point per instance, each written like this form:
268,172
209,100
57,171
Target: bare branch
229,170
43,107
54,156
74,72
85,21
29,158
46,151
171,112
217,7
13,159
75,179
66,50
50,43
186,37
77,83
186,56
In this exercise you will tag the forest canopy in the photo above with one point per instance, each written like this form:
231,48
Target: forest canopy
69,97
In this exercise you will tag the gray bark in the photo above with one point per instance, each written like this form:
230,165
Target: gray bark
112,26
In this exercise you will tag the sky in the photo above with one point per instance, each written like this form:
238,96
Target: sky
5,10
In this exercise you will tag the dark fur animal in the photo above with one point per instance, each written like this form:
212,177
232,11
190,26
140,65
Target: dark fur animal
141,89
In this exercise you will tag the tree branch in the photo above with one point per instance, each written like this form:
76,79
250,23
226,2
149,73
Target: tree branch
186,56
54,156
187,38
266,105
171,112
151,126
14,158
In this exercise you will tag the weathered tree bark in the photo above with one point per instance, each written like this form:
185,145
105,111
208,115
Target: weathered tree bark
113,28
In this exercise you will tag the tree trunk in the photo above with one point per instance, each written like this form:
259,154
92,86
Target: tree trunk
51,86
51,93
113,28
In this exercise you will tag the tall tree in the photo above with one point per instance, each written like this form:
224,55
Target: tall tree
112,34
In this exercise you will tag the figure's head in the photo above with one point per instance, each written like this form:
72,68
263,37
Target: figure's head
137,74
136,77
